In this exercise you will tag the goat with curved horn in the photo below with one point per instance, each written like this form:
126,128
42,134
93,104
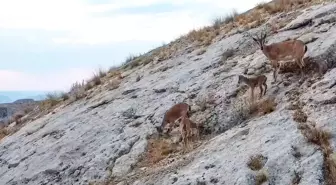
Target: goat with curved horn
289,49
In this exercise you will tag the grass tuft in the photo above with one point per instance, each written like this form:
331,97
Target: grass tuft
299,116
3,132
256,162
263,107
261,177
157,150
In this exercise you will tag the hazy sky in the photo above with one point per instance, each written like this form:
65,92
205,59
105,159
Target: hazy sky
49,44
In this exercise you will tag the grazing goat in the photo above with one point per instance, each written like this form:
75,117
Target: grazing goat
254,82
186,129
175,113
289,49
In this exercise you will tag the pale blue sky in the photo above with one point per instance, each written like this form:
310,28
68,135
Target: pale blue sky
49,44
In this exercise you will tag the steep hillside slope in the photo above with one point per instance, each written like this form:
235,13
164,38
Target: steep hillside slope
105,136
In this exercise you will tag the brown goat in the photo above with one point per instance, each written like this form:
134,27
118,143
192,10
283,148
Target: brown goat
254,82
175,113
186,129
289,49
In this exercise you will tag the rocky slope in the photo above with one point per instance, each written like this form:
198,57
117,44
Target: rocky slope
105,136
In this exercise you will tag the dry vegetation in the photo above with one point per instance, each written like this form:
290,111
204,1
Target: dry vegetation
261,177
3,132
263,107
224,24
299,116
243,109
256,162
321,138
157,150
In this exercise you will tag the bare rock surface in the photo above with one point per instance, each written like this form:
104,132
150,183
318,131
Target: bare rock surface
106,135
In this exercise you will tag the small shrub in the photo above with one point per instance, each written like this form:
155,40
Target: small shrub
3,132
77,86
330,169
114,84
261,177
257,162
261,5
321,138
52,99
133,61
263,107
65,96
101,73
28,110
131,58
88,86
217,22
95,80
299,116
157,150
230,17
240,111
315,135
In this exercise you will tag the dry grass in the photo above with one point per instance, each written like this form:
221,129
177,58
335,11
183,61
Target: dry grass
321,138
64,96
240,110
28,110
77,91
299,116
114,84
157,150
256,163
221,20
261,177
52,99
133,61
3,132
315,135
203,36
284,5
263,107
131,58
93,81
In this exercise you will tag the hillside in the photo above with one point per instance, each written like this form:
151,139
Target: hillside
106,133
8,110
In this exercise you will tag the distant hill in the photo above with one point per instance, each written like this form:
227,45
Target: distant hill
11,96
